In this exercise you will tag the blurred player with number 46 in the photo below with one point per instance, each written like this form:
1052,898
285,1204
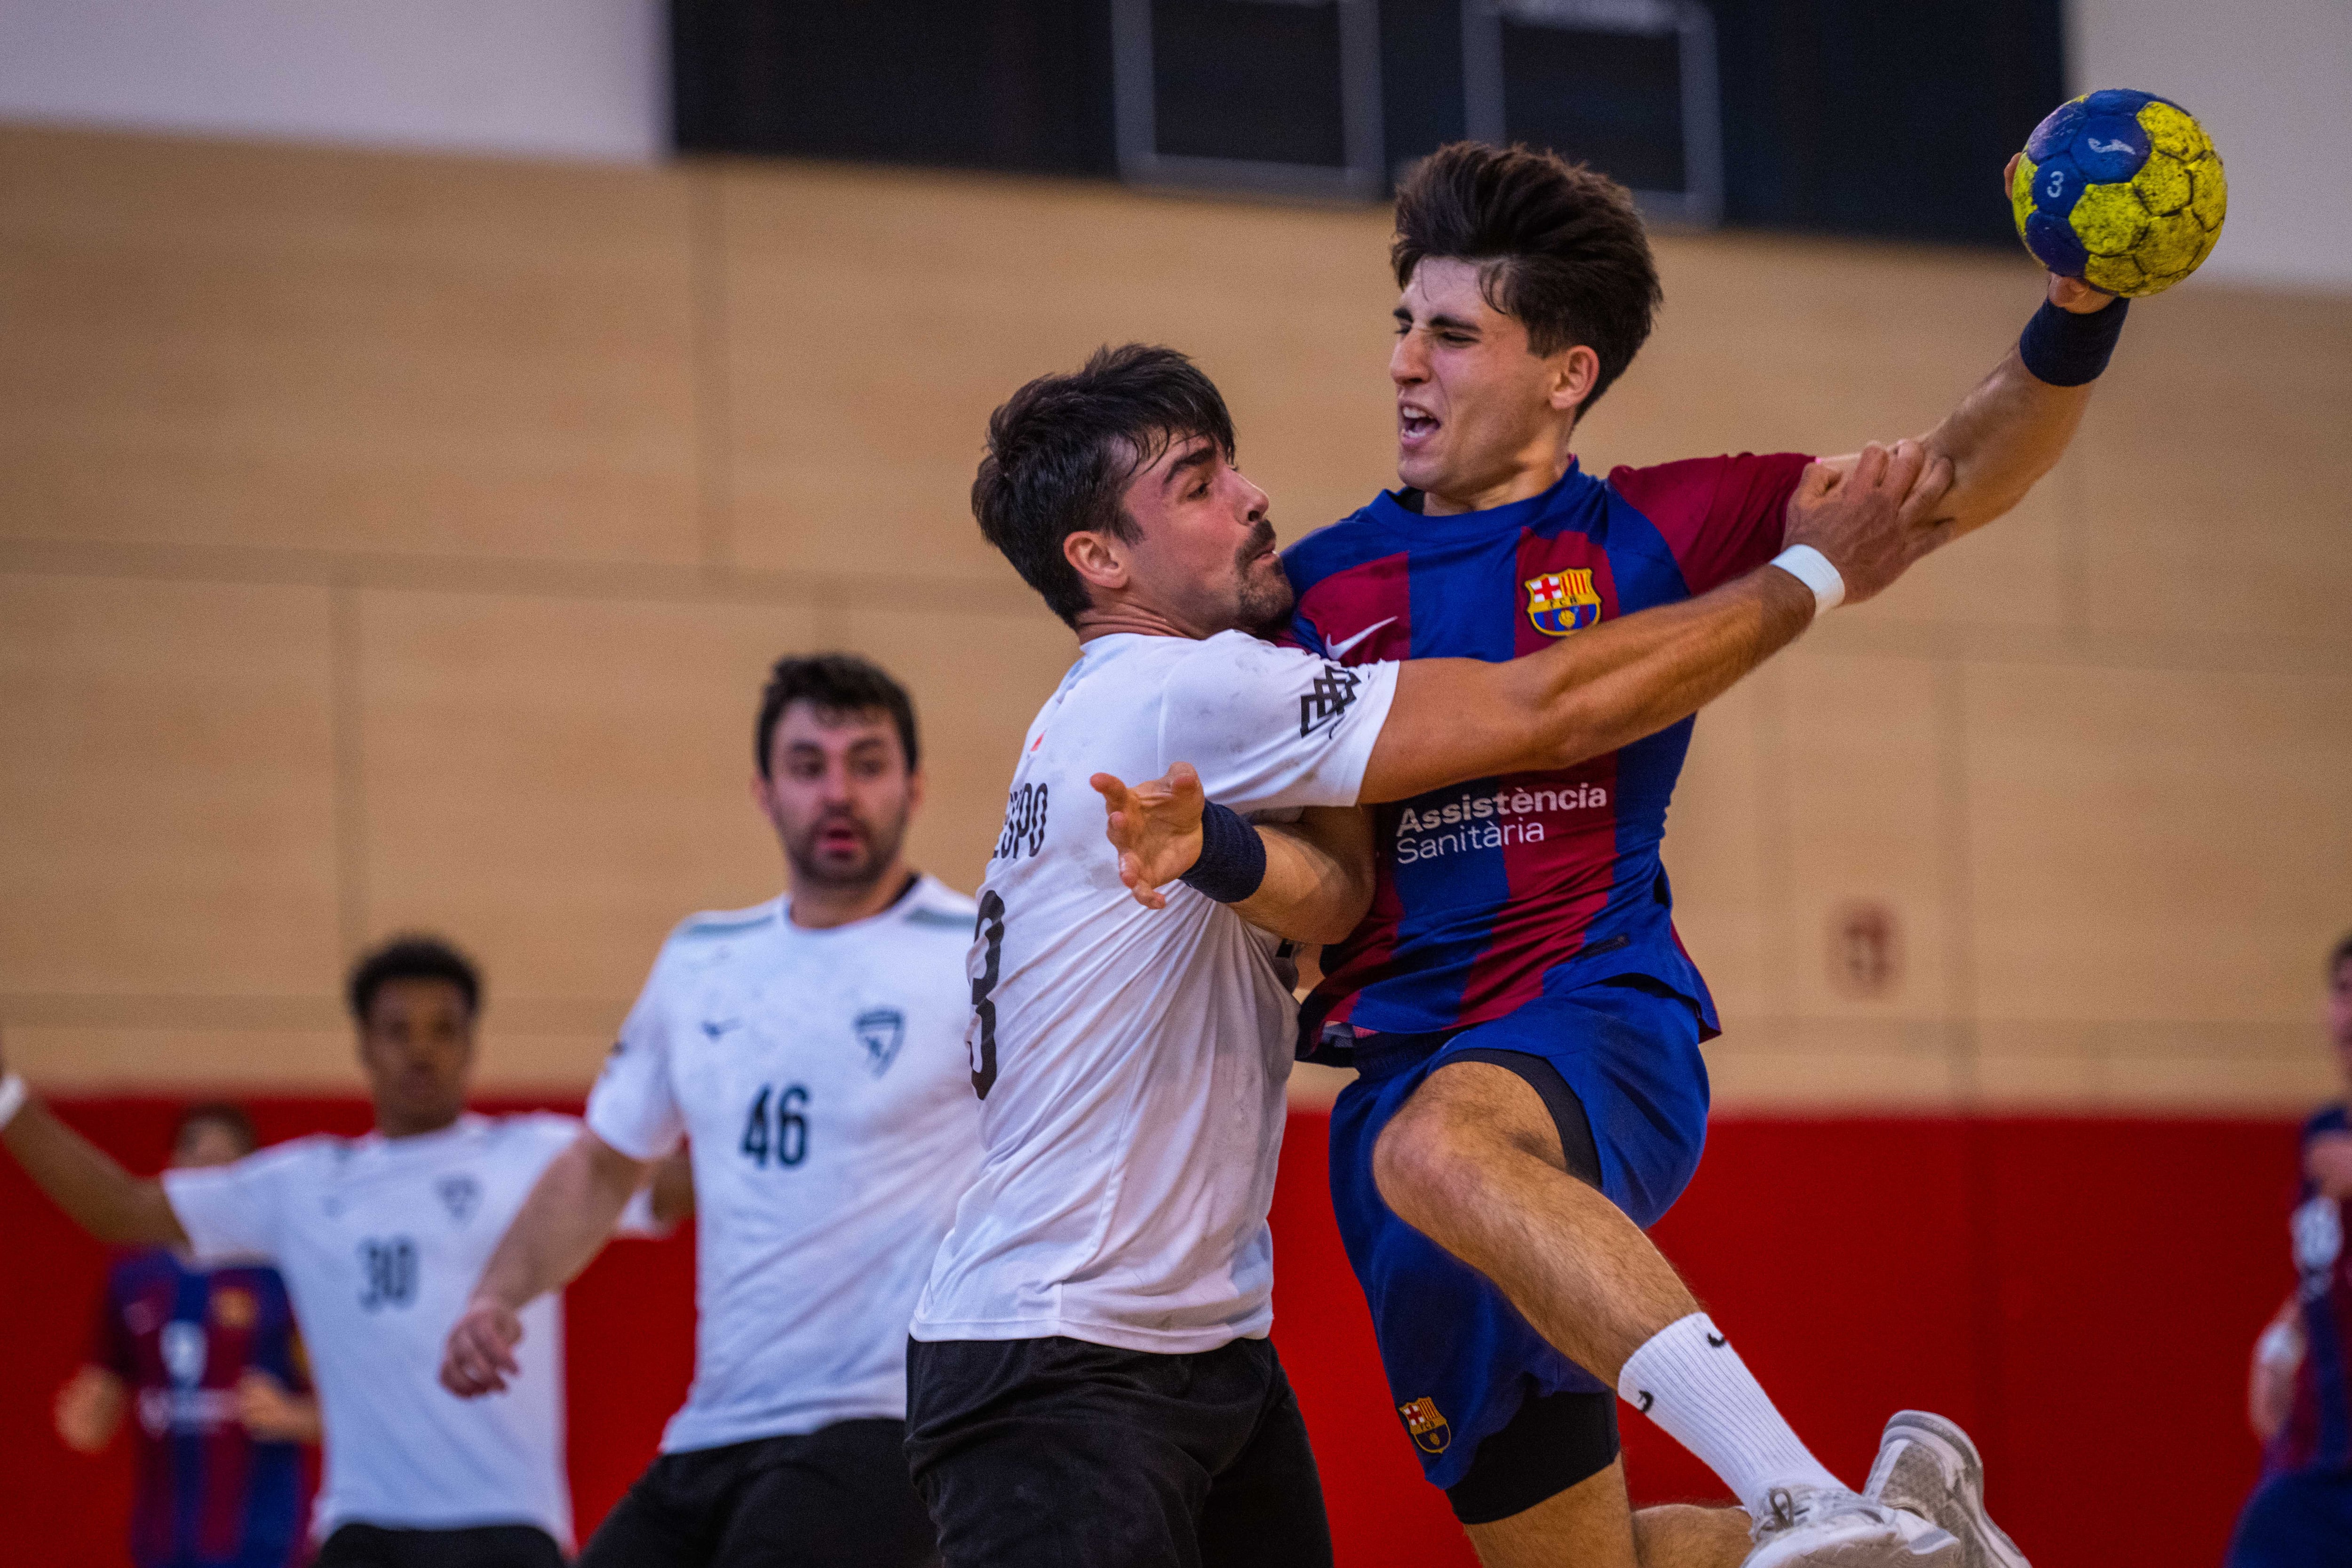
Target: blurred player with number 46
810,1052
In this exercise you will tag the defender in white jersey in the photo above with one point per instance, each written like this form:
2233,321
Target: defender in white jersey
810,1052
1091,1382
380,1238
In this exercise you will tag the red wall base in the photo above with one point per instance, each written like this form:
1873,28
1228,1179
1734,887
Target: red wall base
2081,1294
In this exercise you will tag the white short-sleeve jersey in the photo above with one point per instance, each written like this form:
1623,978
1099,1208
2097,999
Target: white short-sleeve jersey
381,1241
1132,1063
819,1079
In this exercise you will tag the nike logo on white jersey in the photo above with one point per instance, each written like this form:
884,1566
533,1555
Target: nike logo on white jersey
1340,650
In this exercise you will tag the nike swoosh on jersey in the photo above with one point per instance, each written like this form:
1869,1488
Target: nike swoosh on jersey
1340,650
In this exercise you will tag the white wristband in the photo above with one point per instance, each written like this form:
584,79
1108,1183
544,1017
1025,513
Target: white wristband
1811,568
13,1095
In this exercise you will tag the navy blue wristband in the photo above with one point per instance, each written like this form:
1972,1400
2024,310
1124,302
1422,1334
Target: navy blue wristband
2069,351
1232,857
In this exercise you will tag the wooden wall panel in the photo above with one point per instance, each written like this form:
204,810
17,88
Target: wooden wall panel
2218,465
167,786
2156,844
874,318
214,344
1866,802
399,540
98,1059
1724,850
557,782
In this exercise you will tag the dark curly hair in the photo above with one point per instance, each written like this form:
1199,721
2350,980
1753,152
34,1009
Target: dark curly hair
1062,449
1557,244
833,684
411,958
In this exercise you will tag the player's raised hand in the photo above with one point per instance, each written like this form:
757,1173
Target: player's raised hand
1155,828
1872,515
480,1354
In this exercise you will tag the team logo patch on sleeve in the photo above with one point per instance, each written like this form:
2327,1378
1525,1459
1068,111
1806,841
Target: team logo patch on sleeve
1332,694
1560,603
1430,1432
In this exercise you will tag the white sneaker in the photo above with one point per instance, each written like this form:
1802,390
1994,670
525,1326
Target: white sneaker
1815,1526
1926,1465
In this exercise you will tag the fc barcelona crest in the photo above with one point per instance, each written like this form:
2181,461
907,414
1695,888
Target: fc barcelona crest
1560,603
1430,1432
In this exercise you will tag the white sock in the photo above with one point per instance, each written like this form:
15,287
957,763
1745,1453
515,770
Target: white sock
1689,1380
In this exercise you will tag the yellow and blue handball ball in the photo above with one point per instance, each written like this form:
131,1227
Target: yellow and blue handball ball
2121,189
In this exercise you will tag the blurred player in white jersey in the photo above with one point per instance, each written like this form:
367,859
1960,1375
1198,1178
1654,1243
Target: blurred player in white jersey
810,1051
380,1239
1091,1382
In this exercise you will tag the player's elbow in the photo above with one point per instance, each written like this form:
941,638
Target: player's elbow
1582,736
1335,921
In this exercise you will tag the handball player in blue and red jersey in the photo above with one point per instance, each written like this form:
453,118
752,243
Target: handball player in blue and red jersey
205,1361
1525,1023
2300,1399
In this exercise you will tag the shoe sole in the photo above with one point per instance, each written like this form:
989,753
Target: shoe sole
1863,1546
1927,1428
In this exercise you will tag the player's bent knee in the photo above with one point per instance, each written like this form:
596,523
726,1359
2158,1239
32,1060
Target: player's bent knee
1429,1161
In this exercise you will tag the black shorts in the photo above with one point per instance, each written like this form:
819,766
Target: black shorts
1055,1453
835,1498
482,1546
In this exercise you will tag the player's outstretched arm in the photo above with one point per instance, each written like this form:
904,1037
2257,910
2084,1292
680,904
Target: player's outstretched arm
83,1180
1318,870
1457,720
562,1226
2012,428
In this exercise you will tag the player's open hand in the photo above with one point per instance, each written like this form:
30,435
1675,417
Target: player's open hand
480,1354
1155,827
1872,515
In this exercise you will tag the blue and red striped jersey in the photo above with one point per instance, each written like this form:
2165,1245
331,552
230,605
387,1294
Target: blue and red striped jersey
1490,892
2318,1434
180,1337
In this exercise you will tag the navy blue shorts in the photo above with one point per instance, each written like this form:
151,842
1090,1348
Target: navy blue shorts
2301,1520
1461,1361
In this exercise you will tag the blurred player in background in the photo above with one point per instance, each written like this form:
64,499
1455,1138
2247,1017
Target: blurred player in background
810,1051
2300,1398
378,1239
205,1362
1092,1384
1523,1019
